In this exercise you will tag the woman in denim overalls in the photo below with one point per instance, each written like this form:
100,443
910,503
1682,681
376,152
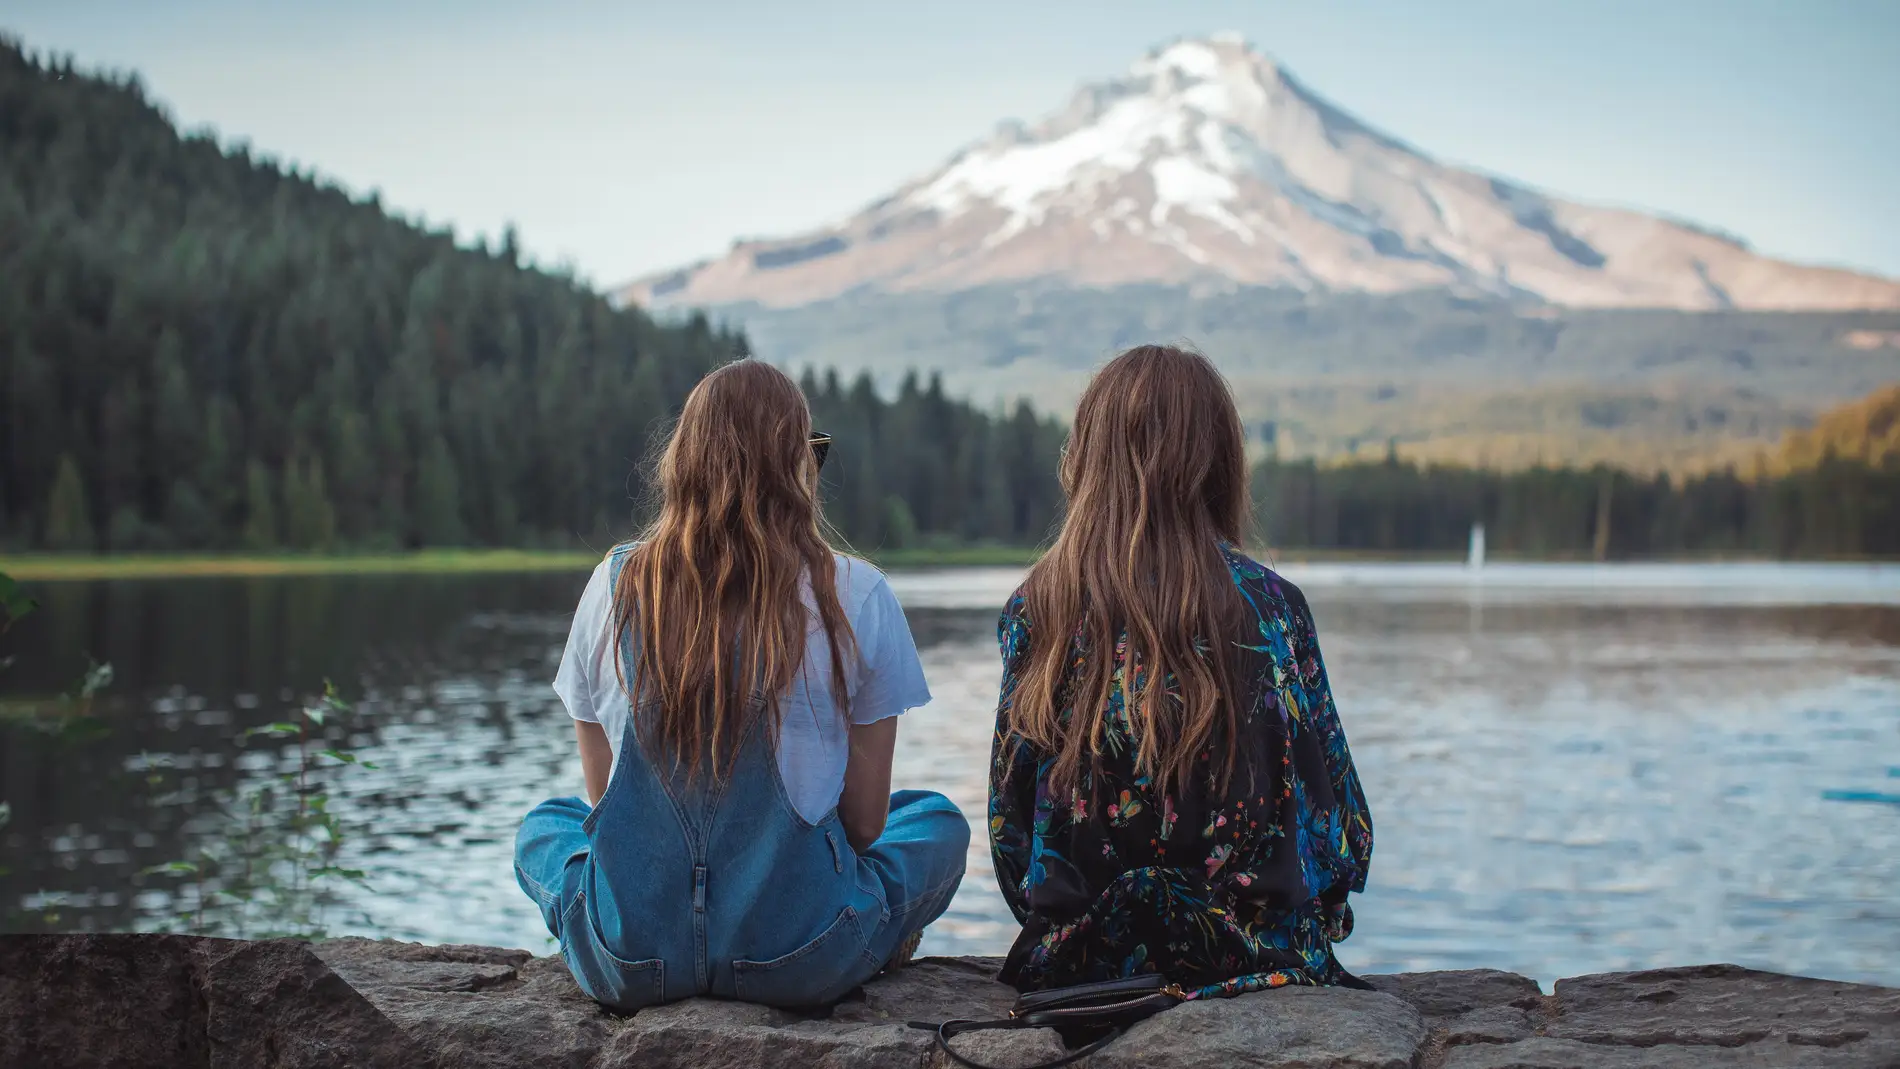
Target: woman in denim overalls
743,841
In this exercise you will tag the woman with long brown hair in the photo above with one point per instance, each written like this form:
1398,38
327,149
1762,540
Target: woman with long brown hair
735,687
1170,788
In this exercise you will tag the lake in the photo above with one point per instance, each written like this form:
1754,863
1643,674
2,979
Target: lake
1571,768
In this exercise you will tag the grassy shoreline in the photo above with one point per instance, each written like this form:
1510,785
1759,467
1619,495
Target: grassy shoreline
55,567
51,567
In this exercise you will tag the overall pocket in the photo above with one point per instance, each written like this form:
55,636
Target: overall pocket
820,972
606,978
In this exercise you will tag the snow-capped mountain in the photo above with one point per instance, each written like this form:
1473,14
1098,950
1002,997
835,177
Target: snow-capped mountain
1209,160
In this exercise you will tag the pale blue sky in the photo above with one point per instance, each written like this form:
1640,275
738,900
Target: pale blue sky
627,137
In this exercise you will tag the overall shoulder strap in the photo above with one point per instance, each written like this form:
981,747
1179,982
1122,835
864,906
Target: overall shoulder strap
617,558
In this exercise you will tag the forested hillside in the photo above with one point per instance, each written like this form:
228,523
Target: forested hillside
1324,374
204,350
1867,430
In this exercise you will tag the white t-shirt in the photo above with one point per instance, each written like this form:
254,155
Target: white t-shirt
813,740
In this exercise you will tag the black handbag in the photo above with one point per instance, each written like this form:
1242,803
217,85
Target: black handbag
1112,1004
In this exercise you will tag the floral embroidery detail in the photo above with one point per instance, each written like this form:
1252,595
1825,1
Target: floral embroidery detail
1223,892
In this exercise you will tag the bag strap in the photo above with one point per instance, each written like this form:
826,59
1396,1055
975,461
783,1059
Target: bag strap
1346,979
949,1029
1154,1001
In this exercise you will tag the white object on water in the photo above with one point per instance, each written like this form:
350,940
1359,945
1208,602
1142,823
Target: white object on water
1474,558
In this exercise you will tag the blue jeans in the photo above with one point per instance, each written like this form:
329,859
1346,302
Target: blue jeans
790,915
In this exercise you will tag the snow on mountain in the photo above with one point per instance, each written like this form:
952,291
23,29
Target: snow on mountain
1209,160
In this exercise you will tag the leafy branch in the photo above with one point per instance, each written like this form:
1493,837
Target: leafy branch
13,602
273,870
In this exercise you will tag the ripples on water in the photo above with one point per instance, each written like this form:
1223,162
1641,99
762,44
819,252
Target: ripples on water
1571,769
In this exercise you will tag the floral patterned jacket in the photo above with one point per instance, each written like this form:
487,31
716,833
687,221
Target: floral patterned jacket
1220,891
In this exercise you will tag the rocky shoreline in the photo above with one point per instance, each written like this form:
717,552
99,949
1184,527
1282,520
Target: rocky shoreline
174,1001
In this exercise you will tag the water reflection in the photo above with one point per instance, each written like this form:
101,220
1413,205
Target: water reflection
1592,770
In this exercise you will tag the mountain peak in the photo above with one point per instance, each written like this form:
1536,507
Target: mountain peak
1198,58
1208,160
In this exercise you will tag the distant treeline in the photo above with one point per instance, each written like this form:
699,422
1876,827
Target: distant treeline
1838,507
203,351
926,470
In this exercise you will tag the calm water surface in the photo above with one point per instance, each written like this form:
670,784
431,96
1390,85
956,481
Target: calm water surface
1571,768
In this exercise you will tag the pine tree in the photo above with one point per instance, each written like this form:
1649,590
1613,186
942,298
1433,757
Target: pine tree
309,520
355,469
177,422
116,468
126,530
220,463
260,509
31,438
438,498
647,406
188,520
322,517
900,529
68,518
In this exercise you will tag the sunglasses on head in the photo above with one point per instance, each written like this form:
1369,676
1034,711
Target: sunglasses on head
820,443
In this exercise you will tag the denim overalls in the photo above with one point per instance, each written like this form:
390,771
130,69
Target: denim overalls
669,889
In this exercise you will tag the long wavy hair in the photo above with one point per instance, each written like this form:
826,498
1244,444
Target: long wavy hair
714,594
1155,472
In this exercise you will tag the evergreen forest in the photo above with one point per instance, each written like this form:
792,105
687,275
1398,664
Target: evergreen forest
205,350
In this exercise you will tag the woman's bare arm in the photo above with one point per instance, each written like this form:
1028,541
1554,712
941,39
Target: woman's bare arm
866,800
597,758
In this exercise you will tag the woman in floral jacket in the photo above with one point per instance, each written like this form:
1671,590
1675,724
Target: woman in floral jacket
1170,786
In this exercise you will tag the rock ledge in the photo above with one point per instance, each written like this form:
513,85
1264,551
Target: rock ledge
174,1001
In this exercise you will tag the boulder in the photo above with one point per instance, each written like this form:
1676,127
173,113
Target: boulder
166,1001
1442,997
154,1000
1290,1027
1704,1017
1723,1006
536,1017
476,1006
